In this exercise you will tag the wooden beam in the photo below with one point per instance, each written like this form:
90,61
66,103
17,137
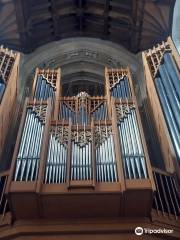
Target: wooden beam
80,14
106,17
55,17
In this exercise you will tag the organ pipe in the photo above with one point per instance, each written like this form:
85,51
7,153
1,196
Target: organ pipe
131,144
81,154
28,158
121,89
167,85
57,155
2,89
106,165
44,89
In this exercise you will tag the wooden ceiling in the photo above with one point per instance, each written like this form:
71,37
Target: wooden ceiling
135,24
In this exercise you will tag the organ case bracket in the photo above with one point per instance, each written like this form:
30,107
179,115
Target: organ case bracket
114,194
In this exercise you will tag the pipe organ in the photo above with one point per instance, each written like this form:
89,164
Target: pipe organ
85,157
94,145
163,77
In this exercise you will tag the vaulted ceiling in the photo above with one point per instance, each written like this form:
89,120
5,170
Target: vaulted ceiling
134,24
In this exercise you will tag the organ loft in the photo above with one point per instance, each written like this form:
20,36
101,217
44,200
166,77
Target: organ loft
89,120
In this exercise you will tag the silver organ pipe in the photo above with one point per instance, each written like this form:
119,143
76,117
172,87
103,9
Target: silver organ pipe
81,111
66,113
167,82
56,171
81,157
106,166
2,89
83,115
131,144
27,163
100,112
120,88
44,89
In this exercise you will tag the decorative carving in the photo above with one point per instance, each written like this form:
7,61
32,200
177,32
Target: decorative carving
81,137
40,110
84,53
60,133
83,95
155,56
122,110
102,133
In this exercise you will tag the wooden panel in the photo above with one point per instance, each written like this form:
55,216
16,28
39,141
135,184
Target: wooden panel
8,101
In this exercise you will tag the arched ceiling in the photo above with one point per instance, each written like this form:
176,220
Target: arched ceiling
82,62
134,24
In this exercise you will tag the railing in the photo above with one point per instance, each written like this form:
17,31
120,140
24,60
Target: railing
166,199
4,206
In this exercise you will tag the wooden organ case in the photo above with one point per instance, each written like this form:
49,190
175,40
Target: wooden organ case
80,156
9,64
80,165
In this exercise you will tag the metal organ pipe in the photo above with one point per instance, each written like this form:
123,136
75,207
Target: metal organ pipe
121,88
171,123
170,92
66,113
44,89
100,113
27,163
131,145
2,89
168,88
106,166
57,158
81,159
172,71
83,116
